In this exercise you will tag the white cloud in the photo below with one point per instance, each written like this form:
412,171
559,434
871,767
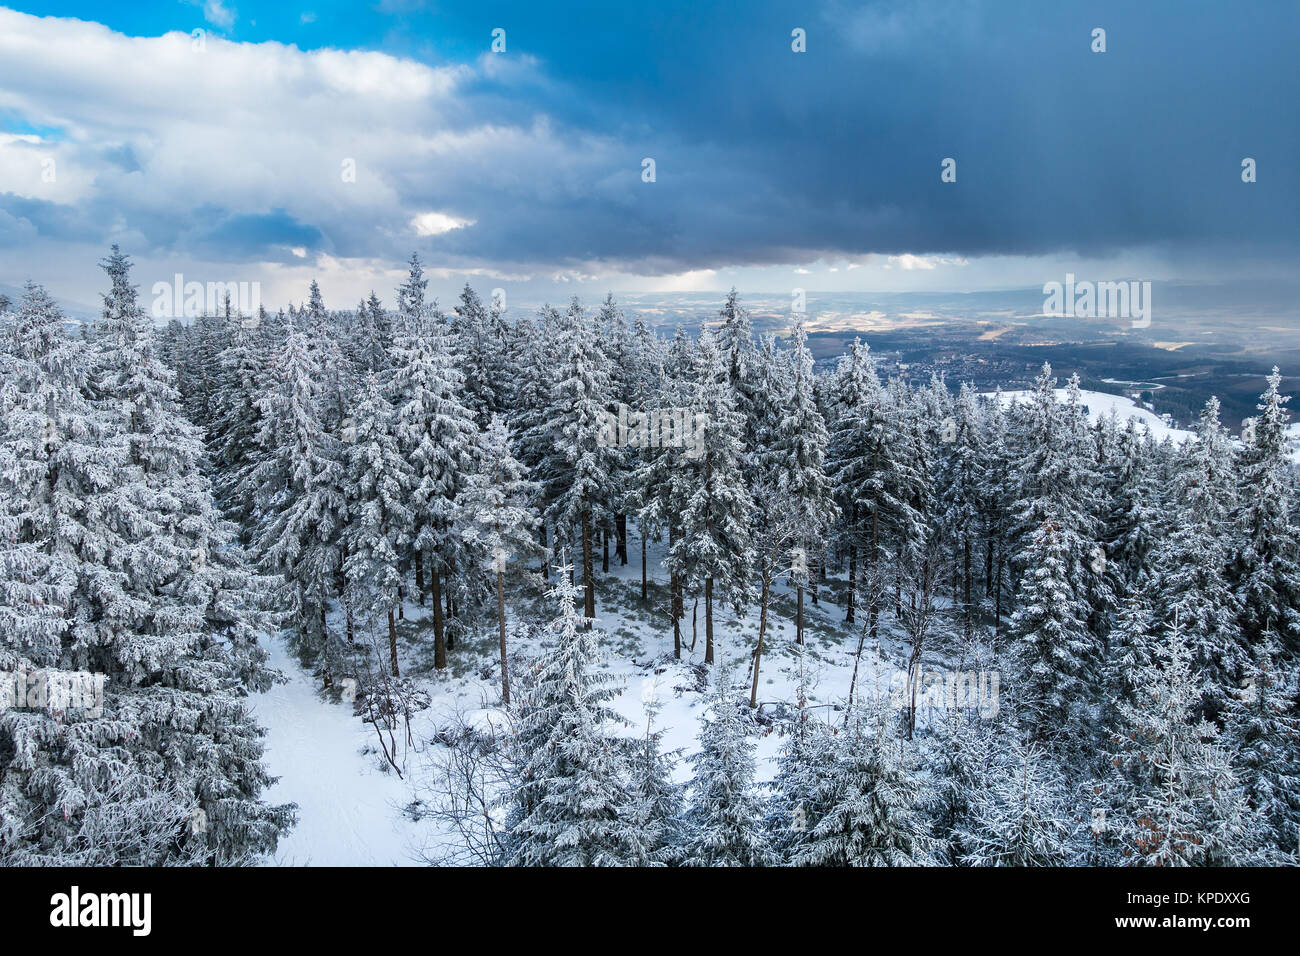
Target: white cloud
218,14
159,140
436,223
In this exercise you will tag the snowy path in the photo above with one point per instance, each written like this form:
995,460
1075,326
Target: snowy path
348,811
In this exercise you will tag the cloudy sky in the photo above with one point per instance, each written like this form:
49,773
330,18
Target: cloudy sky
295,140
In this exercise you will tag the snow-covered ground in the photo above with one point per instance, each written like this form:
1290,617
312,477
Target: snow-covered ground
347,807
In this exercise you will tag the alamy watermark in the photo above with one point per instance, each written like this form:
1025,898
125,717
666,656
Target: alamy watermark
1085,299
53,691
936,692
659,428
180,299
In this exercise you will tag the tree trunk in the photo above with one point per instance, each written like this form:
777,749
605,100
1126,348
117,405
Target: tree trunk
675,601
419,575
762,629
620,539
997,598
873,570
392,642
988,568
439,637
850,603
798,619
966,587
501,621
604,544
644,573
546,561
588,576
708,620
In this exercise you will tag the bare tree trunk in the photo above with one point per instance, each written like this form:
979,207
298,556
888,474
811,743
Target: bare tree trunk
997,599
588,576
850,603
762,630
695,629
853,681
873,570
708,620
798,619
439,636
546,561
604,545
644,573
392,642
501,621
676,603
419,575
988,567
966,610
620,539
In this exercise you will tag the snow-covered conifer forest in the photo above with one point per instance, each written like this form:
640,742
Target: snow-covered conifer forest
423,583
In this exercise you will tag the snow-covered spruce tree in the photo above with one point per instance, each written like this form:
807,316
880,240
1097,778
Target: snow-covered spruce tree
1190,565
724,825
1018,811
997,522
55,467
370,339
958,752
796,457
149,591
1265,573
714,545
1128,655
1263,736
643,384
1051,643
499,521
584,461
743,364
877,801
378,487
479,348
301,502
626,376
569,802
244,367
961,479
853,463
802,792
438,436
660,482
1134,519
1179,802
531,368
652,818
1060,562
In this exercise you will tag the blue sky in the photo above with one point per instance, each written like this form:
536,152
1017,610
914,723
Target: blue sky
227,159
